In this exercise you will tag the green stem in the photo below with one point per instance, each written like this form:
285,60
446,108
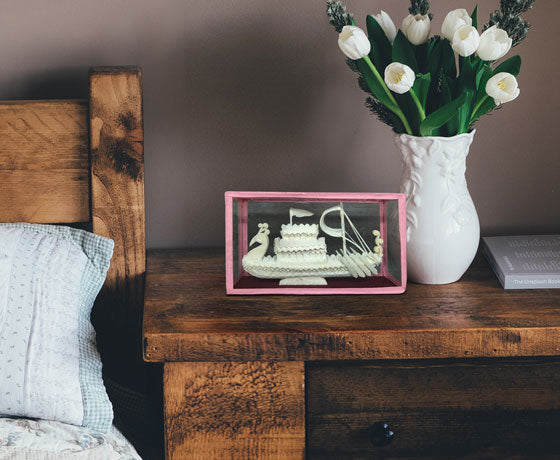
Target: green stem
475,110
418,105
381,81
398,111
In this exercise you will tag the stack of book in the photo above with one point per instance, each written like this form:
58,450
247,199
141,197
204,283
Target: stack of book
524,262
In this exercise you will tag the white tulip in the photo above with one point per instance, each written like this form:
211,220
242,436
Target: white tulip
466,40
416,28
494,44
399,77
353,42
387,24
502,87
454,20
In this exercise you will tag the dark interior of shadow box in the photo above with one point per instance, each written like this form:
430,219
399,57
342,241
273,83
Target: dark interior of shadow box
250,282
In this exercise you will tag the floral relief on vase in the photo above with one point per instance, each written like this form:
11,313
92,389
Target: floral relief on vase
457,204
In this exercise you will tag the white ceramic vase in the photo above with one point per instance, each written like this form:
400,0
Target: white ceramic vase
442,224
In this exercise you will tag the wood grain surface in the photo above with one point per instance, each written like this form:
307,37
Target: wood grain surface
237,411
438,409
188,317
44,161
117,187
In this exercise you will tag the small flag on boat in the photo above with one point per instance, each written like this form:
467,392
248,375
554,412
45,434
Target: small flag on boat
299,213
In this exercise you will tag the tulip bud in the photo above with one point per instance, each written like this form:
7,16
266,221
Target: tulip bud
494,44
453,21
399,77
502,87
416,28
465,41
387,24
354,42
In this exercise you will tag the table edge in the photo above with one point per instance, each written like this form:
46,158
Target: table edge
353,345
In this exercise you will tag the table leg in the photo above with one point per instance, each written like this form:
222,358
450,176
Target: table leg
225,410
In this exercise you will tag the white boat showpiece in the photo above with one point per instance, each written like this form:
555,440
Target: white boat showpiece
301,257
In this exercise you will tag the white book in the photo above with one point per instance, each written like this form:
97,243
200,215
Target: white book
524,262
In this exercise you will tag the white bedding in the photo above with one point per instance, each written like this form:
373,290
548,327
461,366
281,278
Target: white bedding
29,439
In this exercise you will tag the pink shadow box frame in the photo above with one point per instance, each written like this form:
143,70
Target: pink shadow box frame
239,282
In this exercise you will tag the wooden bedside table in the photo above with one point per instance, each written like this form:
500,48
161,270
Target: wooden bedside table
465,370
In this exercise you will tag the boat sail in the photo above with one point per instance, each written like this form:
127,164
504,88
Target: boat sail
300,255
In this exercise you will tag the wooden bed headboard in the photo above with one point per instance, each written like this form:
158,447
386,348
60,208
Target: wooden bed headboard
81,162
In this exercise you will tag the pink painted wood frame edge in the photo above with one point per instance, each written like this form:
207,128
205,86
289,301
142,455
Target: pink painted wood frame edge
230,196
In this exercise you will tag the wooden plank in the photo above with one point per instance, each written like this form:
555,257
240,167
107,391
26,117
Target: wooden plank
234,411
440,434
44,161
117,201
188,317
474,409
512,384
360,345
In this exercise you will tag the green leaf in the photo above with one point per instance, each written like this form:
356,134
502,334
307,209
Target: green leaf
448,59
482,76
441,116
477,63
448,90
432,43
486,107
441,57
381,52
375,86
410,111
421,87
464,112
467,78
403,52
511,65
421,52
474,17
434,56
467,86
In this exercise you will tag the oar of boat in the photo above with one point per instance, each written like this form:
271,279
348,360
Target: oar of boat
369,259
359,260
352,267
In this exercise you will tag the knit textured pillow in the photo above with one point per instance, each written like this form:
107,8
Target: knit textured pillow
49,365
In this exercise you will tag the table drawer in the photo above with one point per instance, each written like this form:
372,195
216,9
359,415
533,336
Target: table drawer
446,409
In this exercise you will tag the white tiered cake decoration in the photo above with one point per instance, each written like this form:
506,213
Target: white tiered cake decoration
300,242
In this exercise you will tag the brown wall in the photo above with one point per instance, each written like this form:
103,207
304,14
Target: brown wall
255,95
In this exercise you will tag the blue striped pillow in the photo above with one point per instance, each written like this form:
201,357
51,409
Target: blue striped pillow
49,365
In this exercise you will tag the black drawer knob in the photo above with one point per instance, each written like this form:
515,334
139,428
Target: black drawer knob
380,434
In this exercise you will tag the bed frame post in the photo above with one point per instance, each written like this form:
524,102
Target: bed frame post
117,209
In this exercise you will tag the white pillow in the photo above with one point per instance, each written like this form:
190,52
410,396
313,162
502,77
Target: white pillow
49,365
